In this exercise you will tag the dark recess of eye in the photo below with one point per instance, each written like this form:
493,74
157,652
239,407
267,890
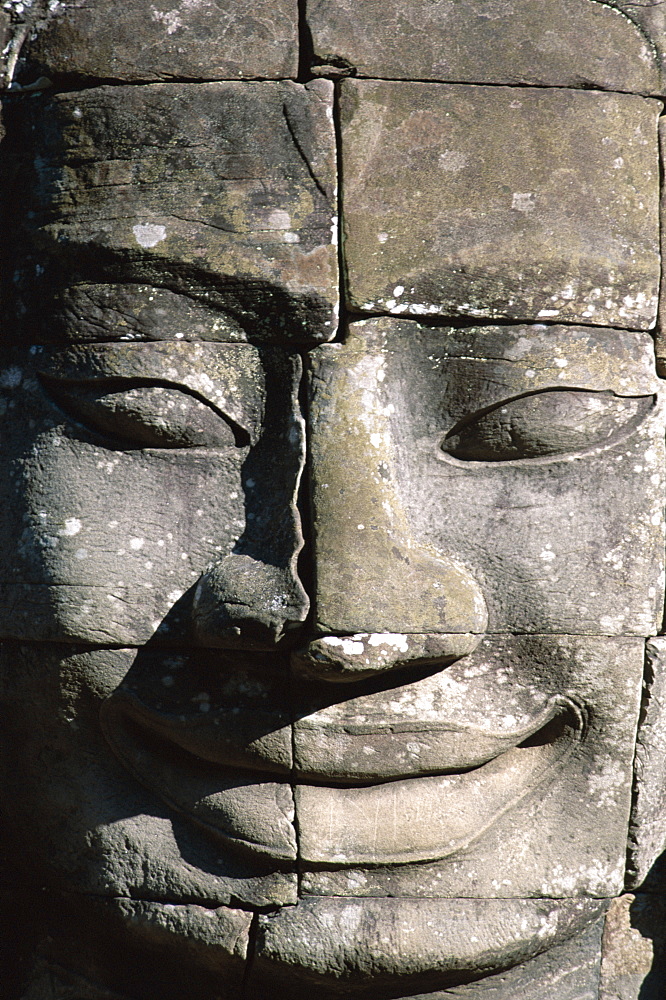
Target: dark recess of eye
551,422
145,415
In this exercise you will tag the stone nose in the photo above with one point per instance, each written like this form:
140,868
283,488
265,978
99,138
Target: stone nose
375,571
344,659
242,601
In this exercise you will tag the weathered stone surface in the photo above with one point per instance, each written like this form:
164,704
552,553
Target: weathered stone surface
486,41
429,506
527,823
390,948
220,194
650,17
660,334
133,948
351,658
449,722
211,435
93,827
213,792
203,40
568,971
627,956
500,202
647,833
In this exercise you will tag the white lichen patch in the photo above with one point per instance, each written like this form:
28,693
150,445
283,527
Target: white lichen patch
169,18
71,528
523,201
392,639
452,160
148,235
350,646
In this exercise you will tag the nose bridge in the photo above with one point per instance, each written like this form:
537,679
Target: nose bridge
371,574
252,595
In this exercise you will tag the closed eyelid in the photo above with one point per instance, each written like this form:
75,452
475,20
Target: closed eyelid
472,415
544,423
108,404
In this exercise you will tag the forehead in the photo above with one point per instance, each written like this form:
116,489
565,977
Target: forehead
207,210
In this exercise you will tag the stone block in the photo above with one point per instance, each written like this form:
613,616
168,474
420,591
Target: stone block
396,948
647,833
478,455
650,18
521,819
660,333
204,40
524,42
124,948
212,203
528,204
211,438
98,827
633,951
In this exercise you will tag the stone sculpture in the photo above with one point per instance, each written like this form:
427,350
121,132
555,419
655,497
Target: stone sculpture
331,647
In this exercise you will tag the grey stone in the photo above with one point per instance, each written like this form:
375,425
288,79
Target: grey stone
214,435
500,202
627,955
647,832
413,521
135,948
351,658
650,17
158,41
526,823
390,948
447,722
222,194
329,685
535,42
92,827
660,333
568,971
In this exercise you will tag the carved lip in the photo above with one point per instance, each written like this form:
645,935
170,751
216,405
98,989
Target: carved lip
428,818
343,751
395,821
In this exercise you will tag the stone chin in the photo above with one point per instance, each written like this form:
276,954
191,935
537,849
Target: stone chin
373,949
398,947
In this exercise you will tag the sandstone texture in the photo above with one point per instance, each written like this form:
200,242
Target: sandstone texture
647,833
426,522
633,949
500,202
520,42
380,946
94,829
222,194
332,572
200,40
155,415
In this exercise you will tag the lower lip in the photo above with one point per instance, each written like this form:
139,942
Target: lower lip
419,819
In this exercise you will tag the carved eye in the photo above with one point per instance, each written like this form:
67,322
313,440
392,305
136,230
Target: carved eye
552,422
145,416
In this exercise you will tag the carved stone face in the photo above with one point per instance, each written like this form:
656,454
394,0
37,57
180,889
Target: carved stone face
325,646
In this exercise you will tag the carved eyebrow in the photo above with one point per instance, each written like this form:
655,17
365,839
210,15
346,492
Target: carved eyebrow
243,436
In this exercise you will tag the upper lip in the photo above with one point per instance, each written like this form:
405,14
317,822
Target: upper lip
231,738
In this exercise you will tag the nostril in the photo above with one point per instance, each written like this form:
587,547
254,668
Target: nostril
344,659
244,602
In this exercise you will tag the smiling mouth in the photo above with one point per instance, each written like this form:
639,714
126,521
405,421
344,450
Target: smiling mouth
320,820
